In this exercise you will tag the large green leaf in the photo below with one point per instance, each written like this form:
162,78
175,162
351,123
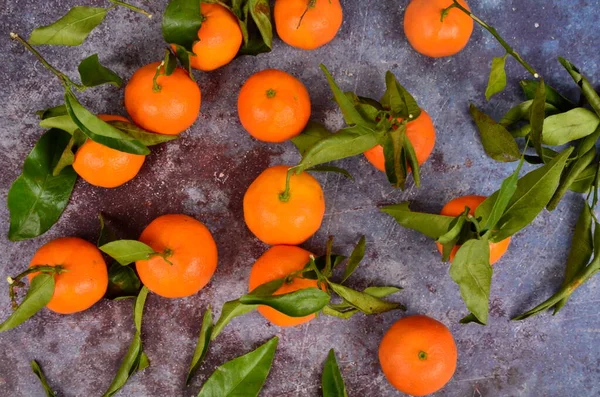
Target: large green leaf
92,73
181,22
127,251
497,141
38,295
430,225
144,137
332,381
351,114
312,133
294,304
37,198
70,30
563,128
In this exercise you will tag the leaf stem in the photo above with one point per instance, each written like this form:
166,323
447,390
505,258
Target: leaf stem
131,7
494,33
15,282
310,4
285,195
155,86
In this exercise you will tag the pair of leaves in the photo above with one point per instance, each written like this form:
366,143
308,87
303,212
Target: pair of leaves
332,382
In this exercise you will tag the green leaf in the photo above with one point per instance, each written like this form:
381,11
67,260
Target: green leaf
553,97
522,112
364,302
299,303
497,141
181,22
395,158
331,168
537,116
332,381
123,282
127,251
35,367
563,128
255,21
381,292
101,132
184,58
107,235
351,114
242,376
138,309
55,111
369,108
38,295
93,74
358,253
144,137
230,310
397,99
452,237
345,310
570,175
497,80
67,158
312,133
413,162
62,122
472,271
202,345
70,30
583,182
534,191
37,198
584,85
430,225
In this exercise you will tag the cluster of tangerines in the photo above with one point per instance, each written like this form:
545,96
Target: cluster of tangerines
418,354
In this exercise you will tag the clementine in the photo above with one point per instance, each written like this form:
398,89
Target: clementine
189,256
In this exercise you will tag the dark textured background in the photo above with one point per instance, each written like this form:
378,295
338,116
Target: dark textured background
206,172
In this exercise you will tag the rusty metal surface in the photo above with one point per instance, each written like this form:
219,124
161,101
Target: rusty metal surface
205,173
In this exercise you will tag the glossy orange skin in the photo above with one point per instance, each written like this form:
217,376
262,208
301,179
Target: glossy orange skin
193,256
420,133
102,166
400,360
171,110
318,27
278,262
277,222
220,38
428,35
455,208
273,106
86,277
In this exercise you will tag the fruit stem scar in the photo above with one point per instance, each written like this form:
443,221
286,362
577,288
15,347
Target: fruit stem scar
15,282
422,355
494,32
131,7
271,93
285,195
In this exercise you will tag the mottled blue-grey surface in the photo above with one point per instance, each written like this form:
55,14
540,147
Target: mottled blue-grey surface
205,174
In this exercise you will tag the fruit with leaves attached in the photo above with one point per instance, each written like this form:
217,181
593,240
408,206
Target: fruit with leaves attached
188,257
420,133
219,38
429,35
307,24
102,166
278,262
85,277
455,208
279,217
273,106
169,105
418,355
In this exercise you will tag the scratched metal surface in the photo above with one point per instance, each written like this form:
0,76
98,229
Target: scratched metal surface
206,172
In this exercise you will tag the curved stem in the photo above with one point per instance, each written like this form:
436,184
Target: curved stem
155,86
131,7
309,5
494,33
15,282
285,195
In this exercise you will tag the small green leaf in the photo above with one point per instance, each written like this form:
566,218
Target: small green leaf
332,381
36,198
563,128
299,303
107,235
412,161
70,30
35,367
358,253
397,99
497,141
144,137
364,302
451,238
123,282
497,80
181,22
127,251
381,292
369,108
202,345
570,175
584,85
184,57
583,182
55,111
331,168
351,114
522,112
395,158
536,116
62,122
430,225
38,295
472,271
67,157
230,310
242,376
312,133
255,21
553,97
93,74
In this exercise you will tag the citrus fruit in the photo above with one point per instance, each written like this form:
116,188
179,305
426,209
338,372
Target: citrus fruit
170,108
420,133
86,277
273,106
307,24
220,38
276,218
102,166
418,355
429,35
455,208
190,256
278,262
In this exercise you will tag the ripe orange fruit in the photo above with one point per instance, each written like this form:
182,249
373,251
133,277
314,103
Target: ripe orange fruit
307,24
279,262
189,247
276,219
86,277
455,208
102,166
220,38
428,35
418,355
169,110
420,133
273,106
